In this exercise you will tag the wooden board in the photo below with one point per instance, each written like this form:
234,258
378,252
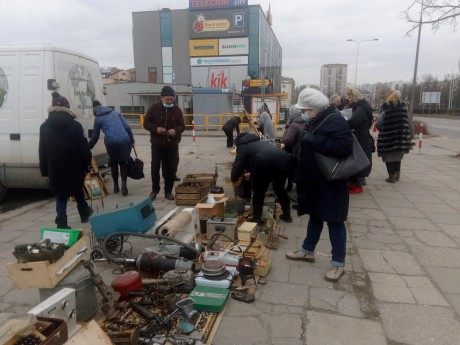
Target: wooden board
90,333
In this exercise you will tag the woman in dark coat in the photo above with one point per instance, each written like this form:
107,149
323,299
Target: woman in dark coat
291,140
118,140
64,158
327,132
262,163
228,127
360,122
395,133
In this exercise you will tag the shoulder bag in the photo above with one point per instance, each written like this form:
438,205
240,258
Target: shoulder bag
339,169
135,167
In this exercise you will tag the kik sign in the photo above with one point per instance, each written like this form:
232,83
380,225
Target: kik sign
219,78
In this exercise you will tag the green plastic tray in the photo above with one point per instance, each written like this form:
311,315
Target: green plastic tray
67,236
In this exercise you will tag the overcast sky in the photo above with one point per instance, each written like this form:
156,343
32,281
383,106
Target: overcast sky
311,33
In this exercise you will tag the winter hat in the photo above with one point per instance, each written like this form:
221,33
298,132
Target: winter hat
394,96
310,98
167,91
59,101
96,103
293,111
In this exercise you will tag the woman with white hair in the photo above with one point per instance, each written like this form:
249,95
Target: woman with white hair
395,134
327,132
360,122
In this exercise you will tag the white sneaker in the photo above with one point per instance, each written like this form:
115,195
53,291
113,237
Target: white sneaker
334,274
300,255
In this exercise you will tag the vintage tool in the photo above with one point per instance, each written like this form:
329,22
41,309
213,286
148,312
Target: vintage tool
125,337
41,251
109,296
153,263
62,305
246,267
127,282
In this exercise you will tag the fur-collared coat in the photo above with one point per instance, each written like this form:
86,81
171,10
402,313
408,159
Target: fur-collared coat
63,152
395,131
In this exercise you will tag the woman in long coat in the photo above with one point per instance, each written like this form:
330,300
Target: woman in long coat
64,158
326,132
395,134
360,122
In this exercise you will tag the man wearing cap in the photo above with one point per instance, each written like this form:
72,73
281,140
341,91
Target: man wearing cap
64,158
165,122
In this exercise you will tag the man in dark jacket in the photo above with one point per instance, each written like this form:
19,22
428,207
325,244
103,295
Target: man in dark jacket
64,158
165,122
262,163
229,126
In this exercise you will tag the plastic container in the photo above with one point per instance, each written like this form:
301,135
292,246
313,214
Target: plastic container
67,236
85,290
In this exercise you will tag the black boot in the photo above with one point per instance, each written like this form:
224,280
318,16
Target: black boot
85,213
61,222
116,189
286,216
124,189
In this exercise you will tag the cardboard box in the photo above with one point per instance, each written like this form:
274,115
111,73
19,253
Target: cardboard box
246,231
43,274
211,210
263,266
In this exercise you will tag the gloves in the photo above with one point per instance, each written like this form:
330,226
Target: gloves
308,137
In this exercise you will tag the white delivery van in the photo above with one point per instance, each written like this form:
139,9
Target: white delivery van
28,77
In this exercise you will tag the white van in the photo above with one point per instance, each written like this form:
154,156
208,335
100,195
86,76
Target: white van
28,77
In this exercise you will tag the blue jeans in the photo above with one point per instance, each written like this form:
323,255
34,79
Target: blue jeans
61,203
337,235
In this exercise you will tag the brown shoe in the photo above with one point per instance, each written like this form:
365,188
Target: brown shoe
176,178
169,196
391,178
397,176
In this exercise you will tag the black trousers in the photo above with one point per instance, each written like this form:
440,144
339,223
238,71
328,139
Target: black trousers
393,167
123,171
167,157
229,134
260,186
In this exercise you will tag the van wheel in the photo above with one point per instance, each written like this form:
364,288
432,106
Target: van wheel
3,190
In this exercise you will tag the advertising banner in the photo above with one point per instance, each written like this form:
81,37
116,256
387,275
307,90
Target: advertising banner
209,47
218,23
219,61
234,46
199,5
219,76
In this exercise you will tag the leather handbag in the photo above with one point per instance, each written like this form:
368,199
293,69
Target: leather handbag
339,169
135,167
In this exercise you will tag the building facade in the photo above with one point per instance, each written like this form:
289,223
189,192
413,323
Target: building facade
211,45
333,79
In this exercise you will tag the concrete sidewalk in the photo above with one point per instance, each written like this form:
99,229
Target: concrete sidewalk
402,280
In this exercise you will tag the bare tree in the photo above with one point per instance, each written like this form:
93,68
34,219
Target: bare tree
435,12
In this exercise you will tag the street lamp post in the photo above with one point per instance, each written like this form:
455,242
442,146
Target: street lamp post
357,53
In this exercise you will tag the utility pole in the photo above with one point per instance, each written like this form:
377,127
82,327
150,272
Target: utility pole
414,80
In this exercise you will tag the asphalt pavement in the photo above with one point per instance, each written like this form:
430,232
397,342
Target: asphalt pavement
402,280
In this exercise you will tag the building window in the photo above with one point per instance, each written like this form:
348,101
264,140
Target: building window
152,74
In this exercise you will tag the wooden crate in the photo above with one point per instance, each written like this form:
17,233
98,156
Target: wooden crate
201,177
43,274
190,192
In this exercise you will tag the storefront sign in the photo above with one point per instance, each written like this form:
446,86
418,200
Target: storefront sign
203,47
218,77
218,23
234,46
219,61
196,5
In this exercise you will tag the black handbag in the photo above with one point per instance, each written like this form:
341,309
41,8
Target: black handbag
135,167
339,169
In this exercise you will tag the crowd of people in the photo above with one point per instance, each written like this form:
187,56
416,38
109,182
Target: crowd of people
315,124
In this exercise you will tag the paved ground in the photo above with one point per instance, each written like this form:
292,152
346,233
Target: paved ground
402,281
